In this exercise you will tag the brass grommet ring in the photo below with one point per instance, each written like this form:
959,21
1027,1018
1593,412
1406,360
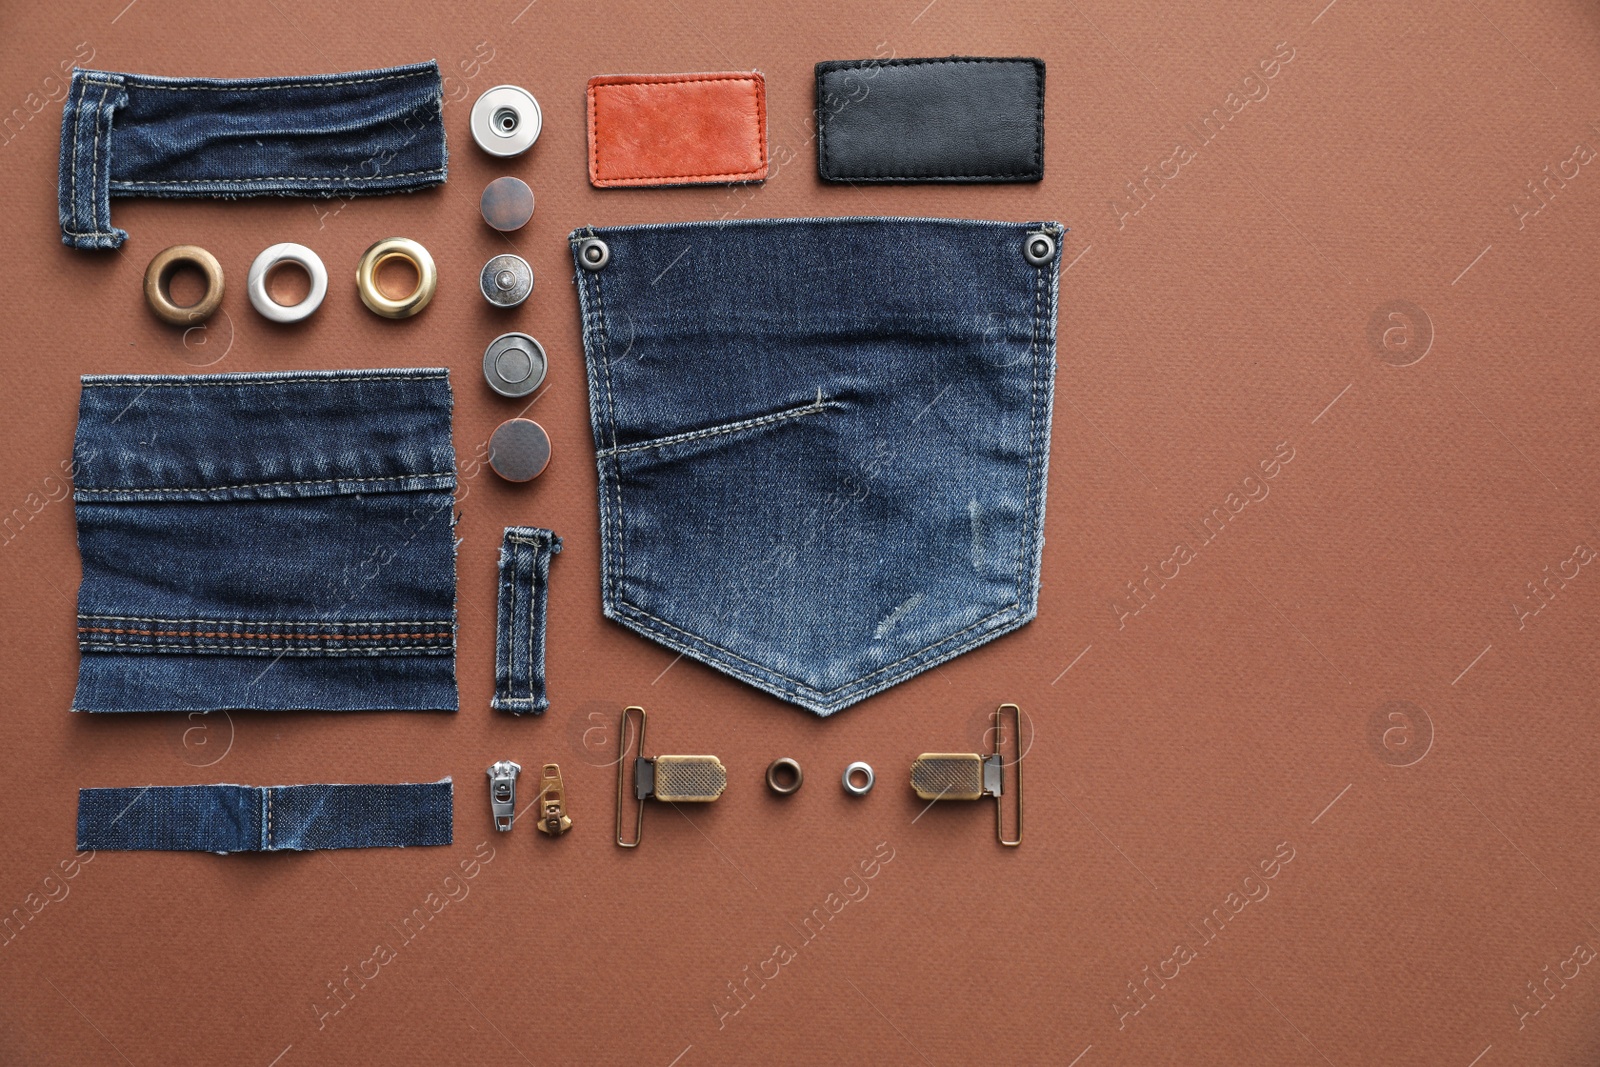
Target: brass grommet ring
778,766
159,272
380,253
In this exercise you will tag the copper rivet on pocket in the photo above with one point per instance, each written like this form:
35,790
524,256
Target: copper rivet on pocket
159,272
506,204
594,254
1039,249
519,449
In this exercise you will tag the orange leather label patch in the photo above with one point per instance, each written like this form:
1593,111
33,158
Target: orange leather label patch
677,129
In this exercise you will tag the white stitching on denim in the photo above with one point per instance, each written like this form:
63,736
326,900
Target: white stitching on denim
268,791
257,485
816,407
141,84
619,565
94,160
76,119
273,622
313,378
336,179
776,674
804,685
308,652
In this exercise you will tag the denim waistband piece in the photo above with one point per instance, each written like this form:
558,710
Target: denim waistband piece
274,541
364,132
519,634
248,818
822,443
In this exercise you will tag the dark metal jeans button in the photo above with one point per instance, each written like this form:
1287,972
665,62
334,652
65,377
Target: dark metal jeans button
506,204
514,364
506,280
519,449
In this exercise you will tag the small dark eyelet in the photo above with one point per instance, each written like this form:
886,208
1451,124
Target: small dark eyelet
784,776
1039,249
593,254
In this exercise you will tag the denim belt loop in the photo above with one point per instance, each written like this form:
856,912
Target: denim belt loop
244,818
519,638
364,132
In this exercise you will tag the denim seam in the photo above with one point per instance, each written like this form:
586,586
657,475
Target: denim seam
257,485
356,650
618,525
256,637
334,178
94,158
191,382
816,407
272,622
771,673
142,84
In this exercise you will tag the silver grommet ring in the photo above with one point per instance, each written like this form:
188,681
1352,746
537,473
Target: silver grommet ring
593,254
789,768
379,254
266,262
506,120
1039,249
514,364
850,773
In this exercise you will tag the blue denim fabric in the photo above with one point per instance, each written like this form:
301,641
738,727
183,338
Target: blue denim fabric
822,443
519,631
245,818
371,131
273,541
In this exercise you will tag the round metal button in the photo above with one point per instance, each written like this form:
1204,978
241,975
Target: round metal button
266,262
506,120
784,776
159,273
1039,249
506,280
514,364
593,254
519,449
506,204
862,771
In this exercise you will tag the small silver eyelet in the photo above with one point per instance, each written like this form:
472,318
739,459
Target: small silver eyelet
1039,249
860,789
594,254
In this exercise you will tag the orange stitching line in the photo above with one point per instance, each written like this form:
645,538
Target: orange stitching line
224,633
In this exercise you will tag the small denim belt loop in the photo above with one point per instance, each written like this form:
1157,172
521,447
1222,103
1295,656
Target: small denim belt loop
519,639
86,159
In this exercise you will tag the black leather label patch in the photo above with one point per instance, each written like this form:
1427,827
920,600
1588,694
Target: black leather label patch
958,119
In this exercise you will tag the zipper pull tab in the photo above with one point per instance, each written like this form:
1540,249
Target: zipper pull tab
503,793
553,818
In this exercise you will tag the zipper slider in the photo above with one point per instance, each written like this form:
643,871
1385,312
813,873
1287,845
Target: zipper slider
553,818
503,793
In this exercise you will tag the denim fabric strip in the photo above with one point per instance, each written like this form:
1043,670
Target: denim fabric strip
519,639
365,132
823,444
275,541
247,818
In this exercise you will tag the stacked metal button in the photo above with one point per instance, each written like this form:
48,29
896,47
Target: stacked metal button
514,364
506,280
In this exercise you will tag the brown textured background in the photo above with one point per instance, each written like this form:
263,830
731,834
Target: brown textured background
1441,860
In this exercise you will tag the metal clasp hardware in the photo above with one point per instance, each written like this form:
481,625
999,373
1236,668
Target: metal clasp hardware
969,776
553,818
681,779
503,793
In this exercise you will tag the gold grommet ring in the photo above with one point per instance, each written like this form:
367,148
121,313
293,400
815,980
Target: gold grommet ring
784,776
159,273
380,253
